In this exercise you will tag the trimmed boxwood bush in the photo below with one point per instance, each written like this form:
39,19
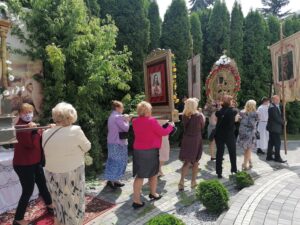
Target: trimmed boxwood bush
165,219
243,179
213,195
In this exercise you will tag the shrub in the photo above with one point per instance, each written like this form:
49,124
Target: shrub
213,195
242,180
165,219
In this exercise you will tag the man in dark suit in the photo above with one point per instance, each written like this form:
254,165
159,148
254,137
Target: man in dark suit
274,126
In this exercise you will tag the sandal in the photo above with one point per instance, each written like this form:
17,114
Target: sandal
180,187
244,167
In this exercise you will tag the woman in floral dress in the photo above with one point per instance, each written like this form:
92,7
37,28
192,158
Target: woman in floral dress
247,132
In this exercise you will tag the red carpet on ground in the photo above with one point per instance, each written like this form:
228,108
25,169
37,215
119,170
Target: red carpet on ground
36,212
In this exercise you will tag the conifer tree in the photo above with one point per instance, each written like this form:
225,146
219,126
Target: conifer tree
274,7
155,26
176,36
218,33
196,33
255,75
274,29
200,4
236,34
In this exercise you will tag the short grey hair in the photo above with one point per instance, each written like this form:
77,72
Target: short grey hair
64,114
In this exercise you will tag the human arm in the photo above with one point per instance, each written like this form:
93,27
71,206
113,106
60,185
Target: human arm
122,123
273,117
83,143
159,130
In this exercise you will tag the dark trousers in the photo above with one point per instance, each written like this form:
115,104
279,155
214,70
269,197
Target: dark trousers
230,142
274,141
28,176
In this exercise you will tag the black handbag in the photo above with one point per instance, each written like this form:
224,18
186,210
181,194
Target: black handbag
123,135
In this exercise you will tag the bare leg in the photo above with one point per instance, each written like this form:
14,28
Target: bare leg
250,157
195,170
246,160
160,173
153,185
212,149
184,172
137,187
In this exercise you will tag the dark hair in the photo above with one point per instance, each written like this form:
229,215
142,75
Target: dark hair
264,99
226,100
116,104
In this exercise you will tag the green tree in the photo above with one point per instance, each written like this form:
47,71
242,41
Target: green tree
155,26
291,25
134,31
93,7
177,37
218,33
81,64
274,7
200,4
274,29
196,33
255,75
236,34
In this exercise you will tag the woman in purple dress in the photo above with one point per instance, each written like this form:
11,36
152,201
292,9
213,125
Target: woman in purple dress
117,145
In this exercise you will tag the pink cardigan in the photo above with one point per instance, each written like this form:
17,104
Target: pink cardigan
148,133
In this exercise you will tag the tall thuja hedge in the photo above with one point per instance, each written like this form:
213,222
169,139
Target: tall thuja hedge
81,64
155,26
237,34
255,53
218,33
130,17
196,33
176,36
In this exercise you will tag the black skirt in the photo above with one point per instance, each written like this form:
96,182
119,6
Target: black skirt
145,163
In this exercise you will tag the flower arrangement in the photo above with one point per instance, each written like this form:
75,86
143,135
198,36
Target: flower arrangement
174,76
224,65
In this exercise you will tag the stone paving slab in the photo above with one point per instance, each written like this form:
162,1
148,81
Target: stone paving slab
172,200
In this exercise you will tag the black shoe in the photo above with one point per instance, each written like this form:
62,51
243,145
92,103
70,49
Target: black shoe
119,184
280,160
111,185
270,158
259,151
50,210
152,197
137,206
220,176
212,159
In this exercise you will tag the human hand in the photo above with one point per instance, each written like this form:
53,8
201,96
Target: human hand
52,125
32,124
127,117
171,124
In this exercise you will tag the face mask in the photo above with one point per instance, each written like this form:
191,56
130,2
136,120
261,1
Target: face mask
27,117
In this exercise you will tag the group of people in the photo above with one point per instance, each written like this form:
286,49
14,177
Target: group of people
61,149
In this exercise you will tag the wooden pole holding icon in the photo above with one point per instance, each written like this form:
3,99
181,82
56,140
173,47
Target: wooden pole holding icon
283,86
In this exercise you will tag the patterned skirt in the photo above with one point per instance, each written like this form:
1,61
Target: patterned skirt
116,162
67,192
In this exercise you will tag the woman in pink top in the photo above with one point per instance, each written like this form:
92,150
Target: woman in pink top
148,139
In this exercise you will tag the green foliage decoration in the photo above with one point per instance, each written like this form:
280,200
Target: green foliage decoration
213,195
165,219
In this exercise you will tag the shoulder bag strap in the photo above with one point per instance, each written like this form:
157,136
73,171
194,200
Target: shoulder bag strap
54,132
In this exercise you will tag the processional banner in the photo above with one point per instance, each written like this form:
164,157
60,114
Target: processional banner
291,67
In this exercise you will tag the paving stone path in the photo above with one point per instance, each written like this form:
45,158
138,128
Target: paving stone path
276,189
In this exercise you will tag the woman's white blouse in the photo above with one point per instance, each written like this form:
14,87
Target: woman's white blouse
64,152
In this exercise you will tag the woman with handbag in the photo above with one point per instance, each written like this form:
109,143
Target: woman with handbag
248,132
27,164
117,144
65,146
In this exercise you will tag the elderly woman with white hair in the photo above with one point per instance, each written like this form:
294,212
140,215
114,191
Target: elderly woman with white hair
191,145
64,147
247,132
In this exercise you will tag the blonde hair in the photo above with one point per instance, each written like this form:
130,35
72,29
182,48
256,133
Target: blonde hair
190,107
27,107
64,114
250,106
144,108
116,104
